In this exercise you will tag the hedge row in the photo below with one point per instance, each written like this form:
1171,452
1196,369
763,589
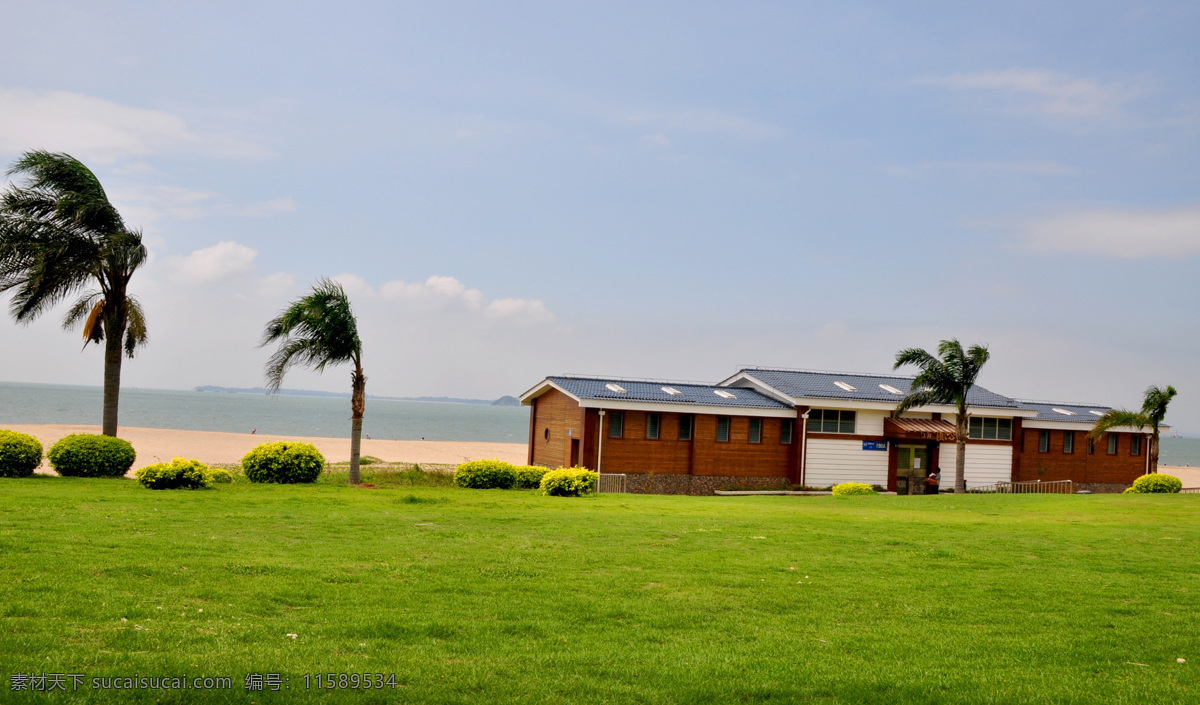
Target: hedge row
499,475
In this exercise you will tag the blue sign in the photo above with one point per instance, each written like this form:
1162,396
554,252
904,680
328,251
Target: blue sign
874,445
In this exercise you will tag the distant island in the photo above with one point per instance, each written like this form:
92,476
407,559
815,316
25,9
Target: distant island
502,401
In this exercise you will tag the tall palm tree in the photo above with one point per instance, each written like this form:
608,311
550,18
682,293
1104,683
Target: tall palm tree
946,379
1154,410
318,330
59,234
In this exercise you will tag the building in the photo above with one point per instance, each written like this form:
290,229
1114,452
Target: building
771,427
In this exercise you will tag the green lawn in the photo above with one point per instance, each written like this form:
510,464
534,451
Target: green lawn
489,596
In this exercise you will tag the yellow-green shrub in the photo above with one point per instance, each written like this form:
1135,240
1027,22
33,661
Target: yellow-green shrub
568,482
285,462
179,474
218,476
849,488
20,454
1156,483
485,475
88,455
529,477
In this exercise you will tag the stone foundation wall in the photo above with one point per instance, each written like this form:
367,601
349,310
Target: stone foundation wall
1101,487
695,484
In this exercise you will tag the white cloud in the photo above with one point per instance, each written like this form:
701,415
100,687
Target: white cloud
1032,91
221,261
1118,233
446,295
146,206
99,130
529,309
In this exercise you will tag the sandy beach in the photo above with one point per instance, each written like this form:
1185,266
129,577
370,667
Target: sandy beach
156,445
1189,476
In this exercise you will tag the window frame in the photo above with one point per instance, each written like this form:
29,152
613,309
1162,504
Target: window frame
977,428
787,428
1091,445
755,421
1114,445
728,423
1043,441
616,424
691,426
1135,444
1068,442
841,418
657,417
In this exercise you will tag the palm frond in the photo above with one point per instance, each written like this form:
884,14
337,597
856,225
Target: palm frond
136,334
1156,401
1114,418
316,330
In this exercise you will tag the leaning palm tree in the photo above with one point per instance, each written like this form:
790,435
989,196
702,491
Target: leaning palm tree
946,379
1154,410
59,234
318,330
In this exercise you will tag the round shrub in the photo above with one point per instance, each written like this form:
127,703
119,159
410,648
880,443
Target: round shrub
568,482
88,455
1155,484
285,462
20,454
217,476
180,473
529,477
485,475
849,488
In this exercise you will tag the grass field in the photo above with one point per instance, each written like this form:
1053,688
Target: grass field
489,596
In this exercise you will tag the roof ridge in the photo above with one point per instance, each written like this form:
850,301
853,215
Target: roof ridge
1060,403
761,368
614,378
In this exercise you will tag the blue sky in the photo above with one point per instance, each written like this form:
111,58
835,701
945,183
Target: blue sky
668,189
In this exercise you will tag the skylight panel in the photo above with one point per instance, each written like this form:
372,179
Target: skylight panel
845,386
672,391
615,388
724,394
1097,413
890,388
1064,412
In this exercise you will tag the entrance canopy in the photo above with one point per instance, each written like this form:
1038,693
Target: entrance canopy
919,429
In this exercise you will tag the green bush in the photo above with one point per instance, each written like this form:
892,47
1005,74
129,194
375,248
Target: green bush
20,454
87,455
529,477
217,476
1155,484
179,474
485,475
285,462
849,488
568,482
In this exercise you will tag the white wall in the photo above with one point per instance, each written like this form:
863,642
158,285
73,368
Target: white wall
831,462
986,464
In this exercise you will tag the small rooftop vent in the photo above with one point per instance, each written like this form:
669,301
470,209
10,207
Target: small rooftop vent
615,388
724,394
890,388
845,386
1097,413
1064,412
672,391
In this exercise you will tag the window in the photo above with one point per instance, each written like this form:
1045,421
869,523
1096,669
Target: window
653,422
1091,445
722,429
1135,445
547,434
1068,441
989,429
831,421
686,421
1112,444
756,430
1043,441
616,424
785,430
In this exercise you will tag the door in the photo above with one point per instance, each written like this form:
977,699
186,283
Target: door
913,462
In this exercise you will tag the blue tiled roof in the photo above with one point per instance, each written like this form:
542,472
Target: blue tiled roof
1080,413
647,391
820,385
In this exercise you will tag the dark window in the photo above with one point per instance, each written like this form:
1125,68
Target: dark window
1112,444
722,429
547,434
1043,441
831,421
785,431
653,422
756,430
991,429
1091,445
1068,441
685,426
616,424
1135,445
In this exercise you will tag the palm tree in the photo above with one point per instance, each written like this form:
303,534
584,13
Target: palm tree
59,234
946,379
1154,410
318,330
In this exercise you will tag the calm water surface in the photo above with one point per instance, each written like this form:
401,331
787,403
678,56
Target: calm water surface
277,415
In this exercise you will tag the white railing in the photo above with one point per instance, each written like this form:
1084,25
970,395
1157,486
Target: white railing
611,483
1190,490
1036,487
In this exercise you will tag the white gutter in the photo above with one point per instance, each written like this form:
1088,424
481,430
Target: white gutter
599,448
803,447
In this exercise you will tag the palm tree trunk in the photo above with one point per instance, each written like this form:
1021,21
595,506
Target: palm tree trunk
112,379
358,400
1154,451
960,451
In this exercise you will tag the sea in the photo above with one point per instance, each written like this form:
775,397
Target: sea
280,415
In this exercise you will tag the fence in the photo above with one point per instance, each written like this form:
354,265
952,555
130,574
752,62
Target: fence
611,483
1037,487
1191,490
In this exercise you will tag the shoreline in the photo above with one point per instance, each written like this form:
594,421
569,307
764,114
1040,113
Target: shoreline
159,445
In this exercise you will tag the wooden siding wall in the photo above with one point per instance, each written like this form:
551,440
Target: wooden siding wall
557,412
831,462
1121,468
985,465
